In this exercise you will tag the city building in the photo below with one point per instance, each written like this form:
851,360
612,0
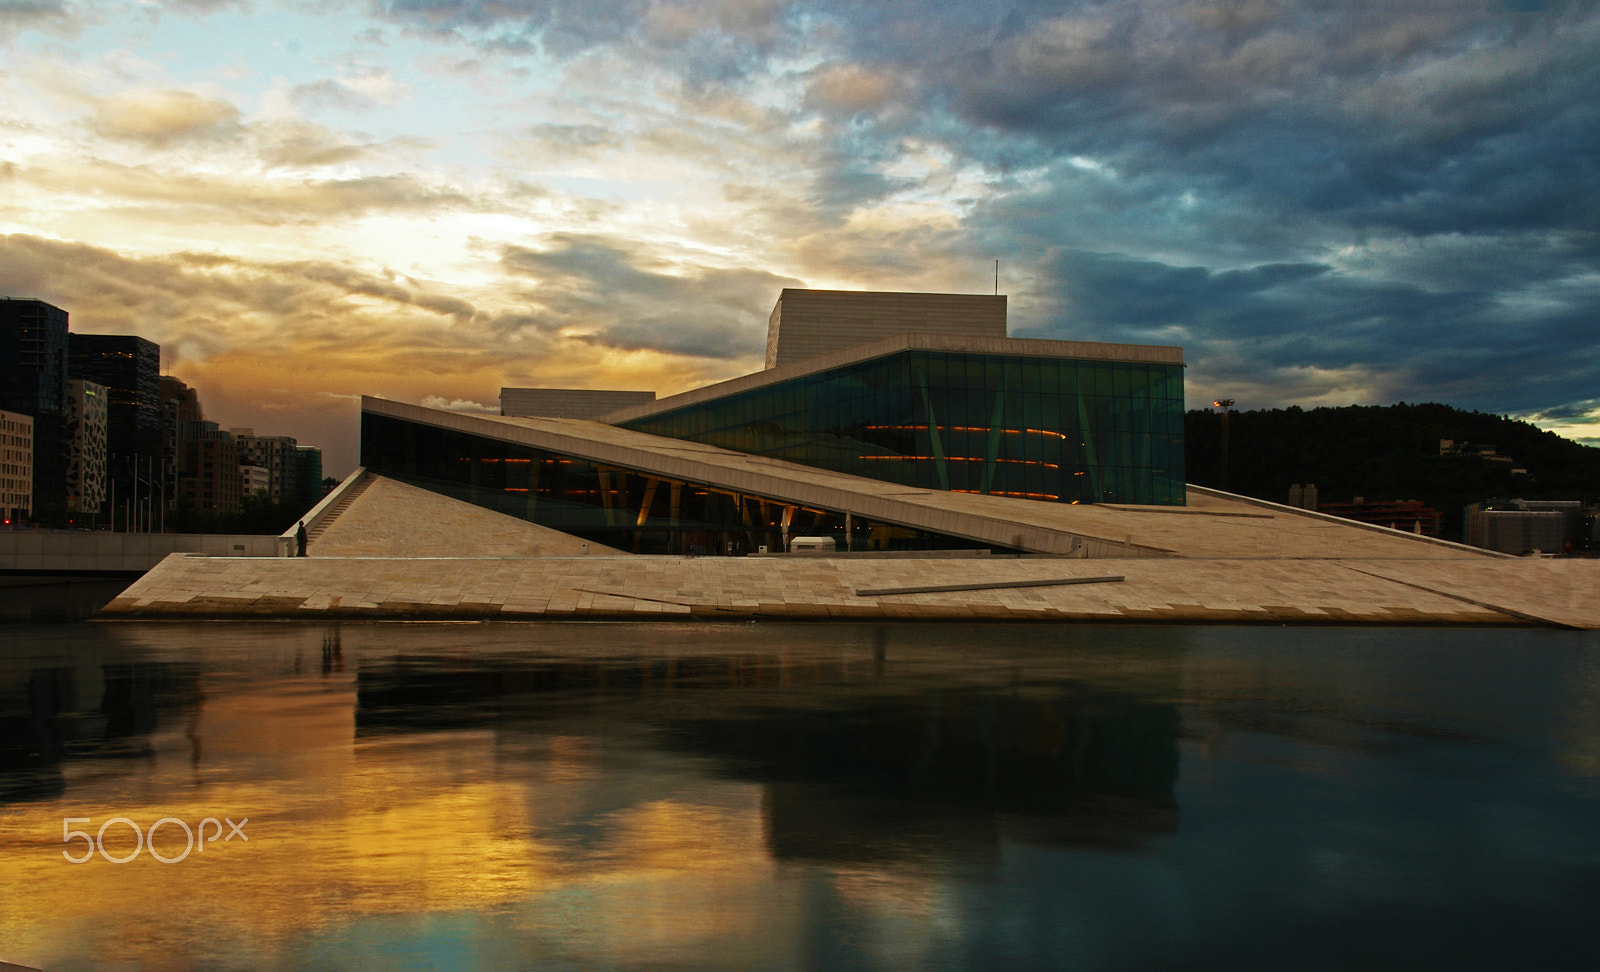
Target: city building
832,439
254,479
308,475
180,400
33,382
209,479
86,450
180,407
276,454
1413,516
130,369
1520,526
1303,496
16,467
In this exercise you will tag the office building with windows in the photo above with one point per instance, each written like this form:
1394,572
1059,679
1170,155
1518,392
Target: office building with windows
86,451
16,467
274,453
129,367
33,382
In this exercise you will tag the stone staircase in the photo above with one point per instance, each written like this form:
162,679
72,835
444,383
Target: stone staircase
349,497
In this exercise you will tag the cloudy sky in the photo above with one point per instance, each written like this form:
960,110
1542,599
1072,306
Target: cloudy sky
304,201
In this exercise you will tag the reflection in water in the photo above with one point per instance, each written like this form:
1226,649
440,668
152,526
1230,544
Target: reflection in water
793,796
856,764
51,598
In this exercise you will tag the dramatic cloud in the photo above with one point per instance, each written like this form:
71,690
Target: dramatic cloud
595,290
1321,203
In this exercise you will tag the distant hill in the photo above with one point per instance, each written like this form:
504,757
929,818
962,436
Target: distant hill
1389,452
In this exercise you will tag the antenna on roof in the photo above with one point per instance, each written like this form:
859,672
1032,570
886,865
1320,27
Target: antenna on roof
997,278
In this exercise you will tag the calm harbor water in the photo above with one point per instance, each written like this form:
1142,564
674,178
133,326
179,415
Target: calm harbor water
599,796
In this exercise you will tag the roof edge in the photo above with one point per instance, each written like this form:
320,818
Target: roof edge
1026,347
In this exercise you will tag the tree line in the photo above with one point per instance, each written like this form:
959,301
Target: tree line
1388,452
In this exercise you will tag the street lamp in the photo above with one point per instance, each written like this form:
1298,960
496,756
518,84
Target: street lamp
1226,404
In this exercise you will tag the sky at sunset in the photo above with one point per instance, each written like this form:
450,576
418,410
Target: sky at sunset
303,202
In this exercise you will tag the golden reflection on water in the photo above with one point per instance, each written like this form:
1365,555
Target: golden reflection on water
340,827
670,796
575,826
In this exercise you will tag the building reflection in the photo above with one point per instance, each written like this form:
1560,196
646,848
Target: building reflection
768,795
52,714
855,765
654,791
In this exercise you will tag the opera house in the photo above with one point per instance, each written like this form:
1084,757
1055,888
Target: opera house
900,397
899,457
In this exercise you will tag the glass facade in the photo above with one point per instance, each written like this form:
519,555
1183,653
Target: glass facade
1056,429
626,509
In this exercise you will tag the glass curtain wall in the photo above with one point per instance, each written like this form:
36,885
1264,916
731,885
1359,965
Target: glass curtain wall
626,509
1056,429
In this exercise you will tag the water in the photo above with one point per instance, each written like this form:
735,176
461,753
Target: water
553,796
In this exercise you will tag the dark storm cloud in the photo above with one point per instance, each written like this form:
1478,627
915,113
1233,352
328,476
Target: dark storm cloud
615,294
1239,325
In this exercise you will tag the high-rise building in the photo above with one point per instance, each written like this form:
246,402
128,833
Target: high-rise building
183,401
179,404
16,466
130,369
86,450
308,475
33,382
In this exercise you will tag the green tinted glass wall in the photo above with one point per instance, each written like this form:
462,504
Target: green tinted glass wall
1058,429
612,505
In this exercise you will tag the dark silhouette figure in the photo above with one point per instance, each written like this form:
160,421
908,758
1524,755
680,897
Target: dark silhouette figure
300,539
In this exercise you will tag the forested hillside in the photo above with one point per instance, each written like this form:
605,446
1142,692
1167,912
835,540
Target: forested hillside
1388,452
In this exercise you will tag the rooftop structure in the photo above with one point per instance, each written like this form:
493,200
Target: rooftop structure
808,323
579,403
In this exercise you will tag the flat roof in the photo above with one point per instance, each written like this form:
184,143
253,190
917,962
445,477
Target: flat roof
1025,347
1213,525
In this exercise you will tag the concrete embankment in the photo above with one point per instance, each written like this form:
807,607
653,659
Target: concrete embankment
87,553
1139,589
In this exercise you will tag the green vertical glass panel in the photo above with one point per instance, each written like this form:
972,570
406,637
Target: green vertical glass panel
1033,411
1031,381
1067,377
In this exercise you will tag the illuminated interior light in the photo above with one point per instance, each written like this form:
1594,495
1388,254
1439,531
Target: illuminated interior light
1001,492
964,428
1016,462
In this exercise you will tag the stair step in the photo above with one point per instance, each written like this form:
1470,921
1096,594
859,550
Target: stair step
338,508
